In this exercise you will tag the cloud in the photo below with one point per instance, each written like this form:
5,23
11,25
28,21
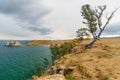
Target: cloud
42,31
113,29
27,13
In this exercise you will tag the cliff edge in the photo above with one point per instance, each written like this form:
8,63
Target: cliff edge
101,62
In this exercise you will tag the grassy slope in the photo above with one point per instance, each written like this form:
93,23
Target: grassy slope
102,62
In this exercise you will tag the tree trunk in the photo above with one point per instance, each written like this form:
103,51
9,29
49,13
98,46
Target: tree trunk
94,39
87,46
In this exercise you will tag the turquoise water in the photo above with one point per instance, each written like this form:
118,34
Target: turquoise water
19,63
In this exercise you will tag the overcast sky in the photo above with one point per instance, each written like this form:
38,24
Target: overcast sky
50,19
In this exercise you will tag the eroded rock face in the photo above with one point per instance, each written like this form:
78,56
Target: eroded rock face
50,77
63,70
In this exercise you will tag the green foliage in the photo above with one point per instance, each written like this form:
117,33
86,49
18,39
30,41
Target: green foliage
103,77
39,71
93,20
82,32
57,52
89,15
46,62
69,77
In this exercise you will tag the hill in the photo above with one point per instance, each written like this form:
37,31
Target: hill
47,42
101,62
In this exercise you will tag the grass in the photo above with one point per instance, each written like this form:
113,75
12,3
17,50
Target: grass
65,48
84,72
69,77
41,71
103,77
104,56
57,52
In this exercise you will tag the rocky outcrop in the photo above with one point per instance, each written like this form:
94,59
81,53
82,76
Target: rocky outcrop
12,43
63,70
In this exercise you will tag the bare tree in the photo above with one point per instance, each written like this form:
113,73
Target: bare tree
93,20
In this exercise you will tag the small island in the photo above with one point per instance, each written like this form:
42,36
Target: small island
12,43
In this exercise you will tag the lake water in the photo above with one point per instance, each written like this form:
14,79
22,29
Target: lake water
19,63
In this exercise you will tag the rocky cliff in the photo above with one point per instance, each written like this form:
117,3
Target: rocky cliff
101,62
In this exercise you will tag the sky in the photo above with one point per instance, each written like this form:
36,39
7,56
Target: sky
50,19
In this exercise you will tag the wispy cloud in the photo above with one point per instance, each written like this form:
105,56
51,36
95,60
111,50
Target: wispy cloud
27,13
42,31
113,29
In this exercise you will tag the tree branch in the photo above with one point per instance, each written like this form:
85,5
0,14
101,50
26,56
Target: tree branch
108,20
99,14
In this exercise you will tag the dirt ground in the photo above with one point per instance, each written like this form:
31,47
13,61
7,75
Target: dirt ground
102,62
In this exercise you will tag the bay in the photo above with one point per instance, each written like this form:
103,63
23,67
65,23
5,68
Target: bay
20,63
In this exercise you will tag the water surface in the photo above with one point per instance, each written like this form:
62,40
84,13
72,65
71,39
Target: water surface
19,63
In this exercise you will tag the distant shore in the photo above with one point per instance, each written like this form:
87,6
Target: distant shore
58,42
46,42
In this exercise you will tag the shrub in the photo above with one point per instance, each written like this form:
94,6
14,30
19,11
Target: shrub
69,77
57,52
39,71
104,77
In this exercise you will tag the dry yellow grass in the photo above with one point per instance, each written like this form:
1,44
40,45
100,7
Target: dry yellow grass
46,42
101,62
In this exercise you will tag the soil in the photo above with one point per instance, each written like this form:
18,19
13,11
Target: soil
101,62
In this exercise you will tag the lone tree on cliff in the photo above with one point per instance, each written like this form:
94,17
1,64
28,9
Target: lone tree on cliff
93,21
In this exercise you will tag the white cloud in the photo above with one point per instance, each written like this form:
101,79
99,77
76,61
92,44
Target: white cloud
28,13
63,19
